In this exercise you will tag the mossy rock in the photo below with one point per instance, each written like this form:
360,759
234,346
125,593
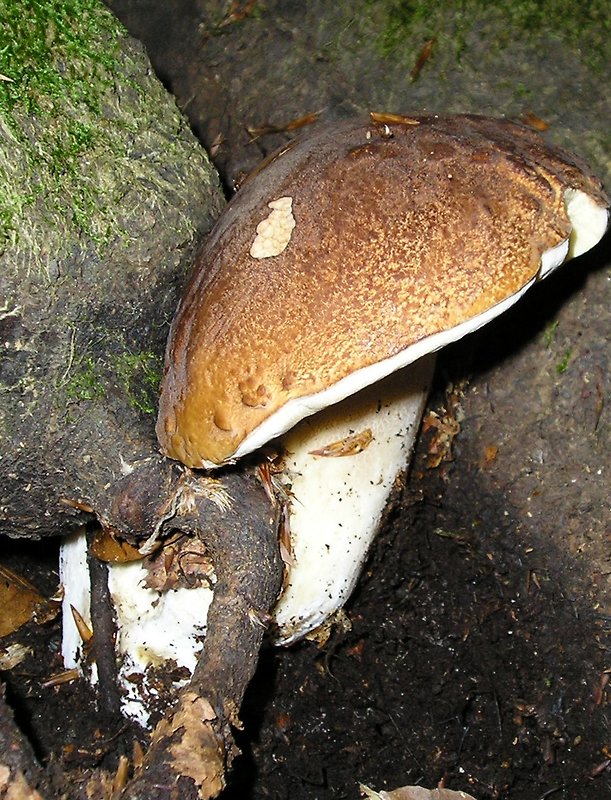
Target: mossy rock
104,192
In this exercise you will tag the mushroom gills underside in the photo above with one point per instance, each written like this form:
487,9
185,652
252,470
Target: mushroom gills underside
338,498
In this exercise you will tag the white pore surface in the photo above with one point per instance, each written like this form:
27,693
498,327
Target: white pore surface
338,501
152,627
589,221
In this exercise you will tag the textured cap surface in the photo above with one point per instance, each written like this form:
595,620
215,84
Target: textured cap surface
346,248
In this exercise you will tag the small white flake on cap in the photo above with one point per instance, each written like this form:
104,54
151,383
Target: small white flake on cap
274,232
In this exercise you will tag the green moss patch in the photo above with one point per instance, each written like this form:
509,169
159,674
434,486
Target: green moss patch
84,383
56,61
582,26
89,142
136,375
41,40
139,375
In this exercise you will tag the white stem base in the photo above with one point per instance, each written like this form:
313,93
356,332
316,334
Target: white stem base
154,629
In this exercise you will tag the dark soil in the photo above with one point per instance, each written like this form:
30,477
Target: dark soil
478,652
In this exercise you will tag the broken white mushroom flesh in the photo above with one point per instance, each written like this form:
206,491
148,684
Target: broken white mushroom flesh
353,253
156,630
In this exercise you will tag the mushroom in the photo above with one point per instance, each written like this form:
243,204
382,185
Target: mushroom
340,266
352,254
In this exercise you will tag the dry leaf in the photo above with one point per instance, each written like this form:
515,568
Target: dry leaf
491,451
197,750
19,601
60,678
415,793
14,786
293,125
182,562
348,446
13,655
106,547
423,57
533,121
381,118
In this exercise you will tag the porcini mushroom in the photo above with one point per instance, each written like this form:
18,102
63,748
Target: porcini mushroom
384,242
386,239
350,255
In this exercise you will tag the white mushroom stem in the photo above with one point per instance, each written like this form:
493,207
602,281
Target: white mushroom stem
338,500
336,509
74,577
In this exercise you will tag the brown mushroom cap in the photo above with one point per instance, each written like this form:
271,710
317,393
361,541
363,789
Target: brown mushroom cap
359,245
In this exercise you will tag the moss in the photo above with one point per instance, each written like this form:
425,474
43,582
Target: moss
576,23
583,26
549,334
139,375
83,125
549,337
522,92
83,382
57,60
563,364
136,375
40,39
403,19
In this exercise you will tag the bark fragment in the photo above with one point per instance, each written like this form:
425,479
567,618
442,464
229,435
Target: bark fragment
192,747
20,773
